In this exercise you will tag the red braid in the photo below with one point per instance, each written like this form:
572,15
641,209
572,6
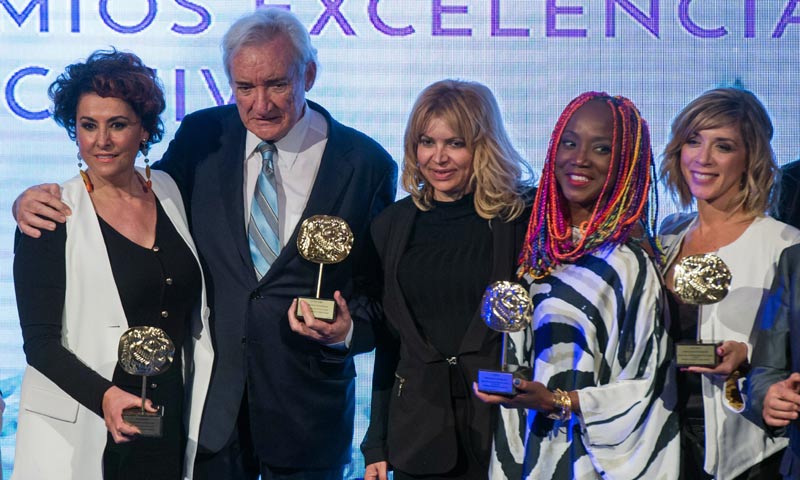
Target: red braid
549,241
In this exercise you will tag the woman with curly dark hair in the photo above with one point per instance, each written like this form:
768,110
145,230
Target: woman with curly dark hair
124,258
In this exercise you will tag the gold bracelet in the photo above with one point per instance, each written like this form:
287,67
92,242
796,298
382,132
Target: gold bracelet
563,405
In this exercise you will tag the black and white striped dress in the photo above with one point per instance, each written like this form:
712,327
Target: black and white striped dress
597,328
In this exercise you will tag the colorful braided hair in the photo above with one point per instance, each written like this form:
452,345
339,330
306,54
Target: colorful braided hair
622,203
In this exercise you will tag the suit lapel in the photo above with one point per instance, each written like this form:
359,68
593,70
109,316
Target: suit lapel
399,235
230,162
333,176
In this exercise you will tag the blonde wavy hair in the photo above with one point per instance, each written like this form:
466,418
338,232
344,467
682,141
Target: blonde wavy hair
722,107
471,111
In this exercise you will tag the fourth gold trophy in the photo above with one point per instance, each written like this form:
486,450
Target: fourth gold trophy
702,279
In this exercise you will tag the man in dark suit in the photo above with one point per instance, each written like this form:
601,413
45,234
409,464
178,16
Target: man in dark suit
773,399
281,397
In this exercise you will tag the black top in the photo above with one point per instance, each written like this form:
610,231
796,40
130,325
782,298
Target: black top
690,387
158,286
445,270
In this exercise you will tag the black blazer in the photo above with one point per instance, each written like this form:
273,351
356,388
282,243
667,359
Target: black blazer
414,428
300,394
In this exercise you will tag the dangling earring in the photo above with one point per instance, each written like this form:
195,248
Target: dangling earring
85,176
145,150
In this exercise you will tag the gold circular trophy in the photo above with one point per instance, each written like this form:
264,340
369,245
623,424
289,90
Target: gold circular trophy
145,351
505,307
700,280
323,239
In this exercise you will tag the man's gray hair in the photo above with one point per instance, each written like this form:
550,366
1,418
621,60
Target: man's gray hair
264,25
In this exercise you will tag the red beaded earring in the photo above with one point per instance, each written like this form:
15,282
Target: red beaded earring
145,149
87,182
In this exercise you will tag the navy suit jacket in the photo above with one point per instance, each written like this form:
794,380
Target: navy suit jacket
777,352
300,394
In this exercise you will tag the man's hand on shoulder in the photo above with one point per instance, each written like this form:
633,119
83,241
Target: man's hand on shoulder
38,208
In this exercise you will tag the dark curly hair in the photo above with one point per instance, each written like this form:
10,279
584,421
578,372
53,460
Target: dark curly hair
110,73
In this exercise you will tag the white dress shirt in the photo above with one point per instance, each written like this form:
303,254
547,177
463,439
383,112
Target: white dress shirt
296,163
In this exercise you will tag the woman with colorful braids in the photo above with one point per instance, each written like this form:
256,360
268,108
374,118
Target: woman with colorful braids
599,404
719,159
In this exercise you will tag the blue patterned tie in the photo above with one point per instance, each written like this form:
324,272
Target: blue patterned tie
262,229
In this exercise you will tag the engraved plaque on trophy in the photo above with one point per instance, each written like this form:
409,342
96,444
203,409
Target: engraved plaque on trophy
505,307
700,280
324,240
145,351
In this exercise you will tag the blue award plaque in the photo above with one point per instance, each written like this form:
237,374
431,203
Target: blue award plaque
492,381
506,307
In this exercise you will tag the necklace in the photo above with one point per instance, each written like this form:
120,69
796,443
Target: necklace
146,185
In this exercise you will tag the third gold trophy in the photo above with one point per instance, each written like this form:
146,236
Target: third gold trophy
702,279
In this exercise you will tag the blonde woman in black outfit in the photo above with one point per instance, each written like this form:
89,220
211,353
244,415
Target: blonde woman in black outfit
459,230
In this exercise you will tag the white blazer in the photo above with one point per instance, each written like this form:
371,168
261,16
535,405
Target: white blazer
57,437
733,443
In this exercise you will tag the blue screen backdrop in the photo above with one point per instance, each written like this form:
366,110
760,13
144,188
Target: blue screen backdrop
375,56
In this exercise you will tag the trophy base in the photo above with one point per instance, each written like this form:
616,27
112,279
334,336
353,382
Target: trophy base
322,308
501,382
150,424
694,354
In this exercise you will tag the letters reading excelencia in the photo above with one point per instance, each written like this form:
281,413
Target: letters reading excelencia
438,16
561,19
